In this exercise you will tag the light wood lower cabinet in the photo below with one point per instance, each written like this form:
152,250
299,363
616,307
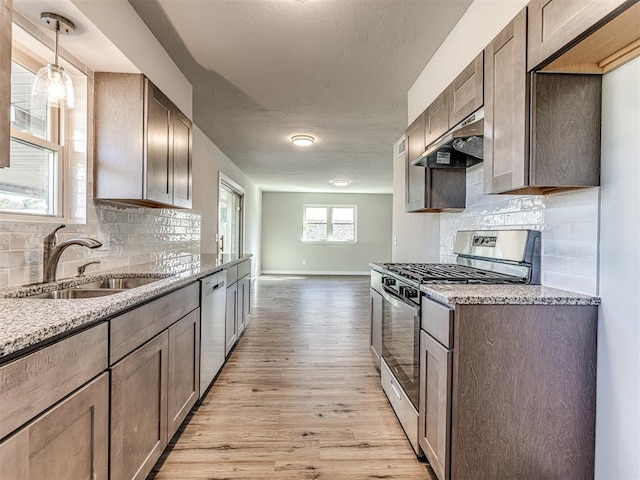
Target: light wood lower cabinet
183,386
139,409
70,441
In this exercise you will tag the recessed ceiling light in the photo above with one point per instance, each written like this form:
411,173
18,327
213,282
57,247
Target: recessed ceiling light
302,140
341,182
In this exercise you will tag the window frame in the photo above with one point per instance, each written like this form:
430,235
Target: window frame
32,48
330,240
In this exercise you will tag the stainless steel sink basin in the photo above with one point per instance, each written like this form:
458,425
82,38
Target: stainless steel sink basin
119,283
74,293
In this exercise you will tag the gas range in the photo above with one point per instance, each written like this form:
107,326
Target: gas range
483,257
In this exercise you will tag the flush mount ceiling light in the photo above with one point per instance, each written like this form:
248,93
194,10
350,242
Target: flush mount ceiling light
302,140
341,182
53,86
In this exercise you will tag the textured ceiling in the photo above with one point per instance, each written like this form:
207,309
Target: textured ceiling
264,70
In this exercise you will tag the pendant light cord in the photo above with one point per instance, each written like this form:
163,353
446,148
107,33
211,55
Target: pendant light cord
55,60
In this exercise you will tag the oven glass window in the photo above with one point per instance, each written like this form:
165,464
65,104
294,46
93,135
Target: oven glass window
400,340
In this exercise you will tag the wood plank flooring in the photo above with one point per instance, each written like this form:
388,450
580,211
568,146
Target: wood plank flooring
299,398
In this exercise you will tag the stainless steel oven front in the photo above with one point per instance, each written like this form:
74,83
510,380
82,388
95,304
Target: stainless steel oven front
400,374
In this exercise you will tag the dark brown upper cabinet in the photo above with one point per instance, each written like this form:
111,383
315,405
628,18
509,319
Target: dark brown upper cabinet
143,144
415,176
556,25
466,93
5,81
541,131
437,117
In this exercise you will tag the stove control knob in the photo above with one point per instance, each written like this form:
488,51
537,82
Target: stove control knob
410,292
388,281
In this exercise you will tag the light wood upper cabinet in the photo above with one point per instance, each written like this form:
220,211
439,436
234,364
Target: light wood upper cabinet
69,441
437,117
5,81
466,91
506,109
143,143
556,24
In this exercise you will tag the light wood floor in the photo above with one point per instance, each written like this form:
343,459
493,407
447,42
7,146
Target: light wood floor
299,398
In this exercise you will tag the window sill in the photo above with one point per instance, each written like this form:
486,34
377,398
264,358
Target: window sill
328,242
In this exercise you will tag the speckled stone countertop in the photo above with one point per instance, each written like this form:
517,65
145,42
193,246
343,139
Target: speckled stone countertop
505,295
25,322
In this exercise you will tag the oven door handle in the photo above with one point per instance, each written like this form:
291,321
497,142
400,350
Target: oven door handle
399,303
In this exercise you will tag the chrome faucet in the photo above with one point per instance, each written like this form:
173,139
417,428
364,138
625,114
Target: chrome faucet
52,251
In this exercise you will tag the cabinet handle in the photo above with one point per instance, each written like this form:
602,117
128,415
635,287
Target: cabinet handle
396,391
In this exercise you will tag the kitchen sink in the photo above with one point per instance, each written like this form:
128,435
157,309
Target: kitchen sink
98,288
119,283
75,293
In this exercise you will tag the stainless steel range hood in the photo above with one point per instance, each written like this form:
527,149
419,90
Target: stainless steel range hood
460,147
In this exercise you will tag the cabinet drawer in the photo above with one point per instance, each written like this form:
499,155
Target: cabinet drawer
232,275
31,384
244,269
132,329
437,321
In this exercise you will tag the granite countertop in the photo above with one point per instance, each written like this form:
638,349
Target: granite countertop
25,322
505,295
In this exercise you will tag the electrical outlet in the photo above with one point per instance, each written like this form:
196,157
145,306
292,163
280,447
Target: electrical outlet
395,241
304,263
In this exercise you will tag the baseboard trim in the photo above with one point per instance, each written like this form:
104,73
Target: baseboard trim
312,272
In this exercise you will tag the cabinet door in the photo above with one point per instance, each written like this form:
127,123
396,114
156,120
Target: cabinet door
159,157
375,334
231,326
69,441
506,109
555,24
434,433
240,306
139,409
183,384
466,91
415,176
5,80
182,160
437,119
246,300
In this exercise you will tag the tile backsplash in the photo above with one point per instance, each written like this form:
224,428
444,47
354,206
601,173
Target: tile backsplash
130,235
568,222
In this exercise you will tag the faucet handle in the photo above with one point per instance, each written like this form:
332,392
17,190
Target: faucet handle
51,238
82,268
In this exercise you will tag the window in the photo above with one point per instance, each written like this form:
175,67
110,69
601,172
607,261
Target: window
48,155
329,224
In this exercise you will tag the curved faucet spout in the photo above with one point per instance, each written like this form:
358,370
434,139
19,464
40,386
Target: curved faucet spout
51,264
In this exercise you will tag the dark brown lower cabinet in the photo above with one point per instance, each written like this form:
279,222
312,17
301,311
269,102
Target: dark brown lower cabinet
231,317
70,441
434,426
139,409
183,384
512,396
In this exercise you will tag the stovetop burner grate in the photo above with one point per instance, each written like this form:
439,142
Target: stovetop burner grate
450,273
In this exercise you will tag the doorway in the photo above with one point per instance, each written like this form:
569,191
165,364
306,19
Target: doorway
230,217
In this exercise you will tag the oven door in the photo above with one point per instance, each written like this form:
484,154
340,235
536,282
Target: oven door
400,342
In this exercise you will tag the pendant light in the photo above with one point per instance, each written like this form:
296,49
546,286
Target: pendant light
53,86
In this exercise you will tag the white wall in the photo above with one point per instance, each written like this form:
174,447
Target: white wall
121,24
416,236
208,160
618,401
482,21
284,252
